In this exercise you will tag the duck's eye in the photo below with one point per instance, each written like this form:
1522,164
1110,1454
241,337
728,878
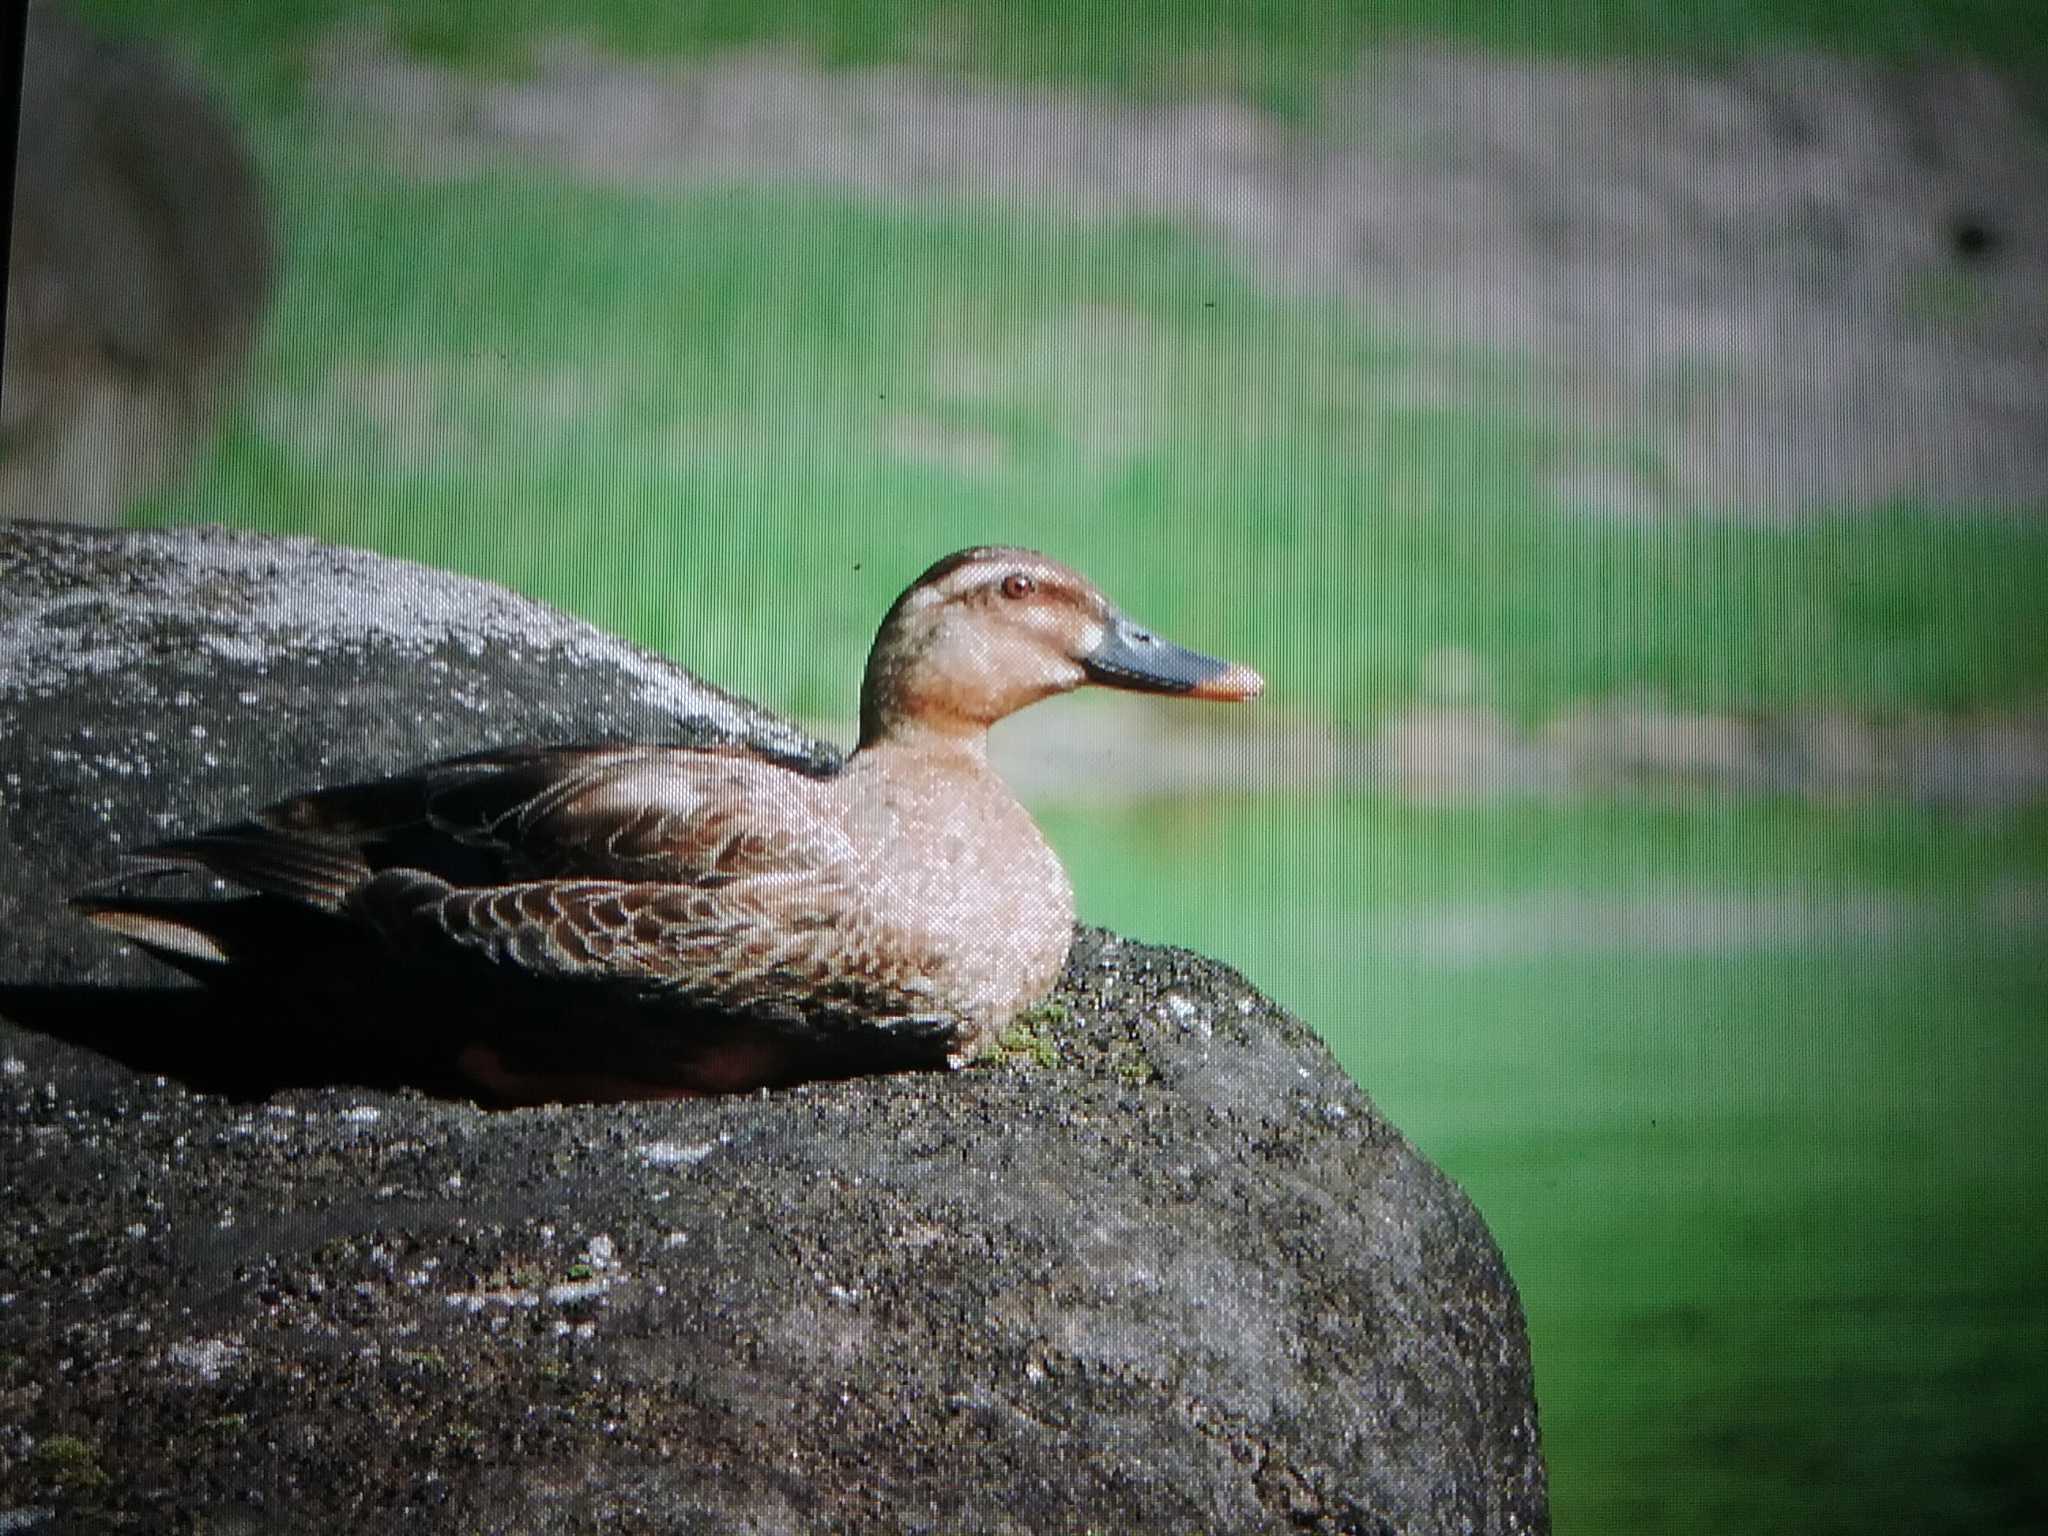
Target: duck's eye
1017,584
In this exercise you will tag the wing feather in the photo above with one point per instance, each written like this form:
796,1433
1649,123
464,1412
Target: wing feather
687,815
774,944
682,815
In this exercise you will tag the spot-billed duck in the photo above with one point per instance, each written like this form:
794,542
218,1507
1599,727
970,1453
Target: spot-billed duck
601,922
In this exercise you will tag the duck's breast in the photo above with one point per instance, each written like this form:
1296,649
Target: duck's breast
965,889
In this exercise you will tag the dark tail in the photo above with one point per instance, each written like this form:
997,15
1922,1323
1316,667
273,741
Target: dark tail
316,871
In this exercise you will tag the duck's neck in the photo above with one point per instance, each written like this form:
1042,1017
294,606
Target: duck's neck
961,743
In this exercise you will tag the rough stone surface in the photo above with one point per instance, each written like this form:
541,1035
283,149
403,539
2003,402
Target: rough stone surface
1161,1267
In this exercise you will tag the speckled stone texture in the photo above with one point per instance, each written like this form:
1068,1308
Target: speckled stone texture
1166,1270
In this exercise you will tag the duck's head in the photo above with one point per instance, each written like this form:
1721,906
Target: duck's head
987,631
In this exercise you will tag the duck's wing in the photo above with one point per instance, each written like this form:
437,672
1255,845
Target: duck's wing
681,815
699,912
686,815
798,947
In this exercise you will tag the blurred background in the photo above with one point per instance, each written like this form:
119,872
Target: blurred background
1619,433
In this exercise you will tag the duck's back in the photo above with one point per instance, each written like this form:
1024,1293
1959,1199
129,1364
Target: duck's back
682,815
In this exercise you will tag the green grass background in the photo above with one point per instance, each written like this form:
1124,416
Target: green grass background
1776,1210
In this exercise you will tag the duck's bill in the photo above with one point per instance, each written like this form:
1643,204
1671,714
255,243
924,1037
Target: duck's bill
1133,658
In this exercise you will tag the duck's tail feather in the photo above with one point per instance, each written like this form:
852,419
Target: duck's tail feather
174,931
308,869
207,937
351,813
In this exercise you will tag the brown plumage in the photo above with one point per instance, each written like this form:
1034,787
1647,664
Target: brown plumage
621,921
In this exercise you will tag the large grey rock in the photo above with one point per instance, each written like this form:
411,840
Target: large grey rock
1167,1269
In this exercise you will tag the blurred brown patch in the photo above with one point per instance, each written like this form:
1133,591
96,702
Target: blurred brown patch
140,270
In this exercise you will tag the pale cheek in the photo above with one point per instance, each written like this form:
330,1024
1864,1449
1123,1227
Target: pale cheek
1066,675
969,651
1027,666
1063,633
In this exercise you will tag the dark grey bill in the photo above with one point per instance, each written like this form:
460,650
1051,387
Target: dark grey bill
1130,657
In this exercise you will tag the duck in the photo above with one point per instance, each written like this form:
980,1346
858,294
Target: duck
615,921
